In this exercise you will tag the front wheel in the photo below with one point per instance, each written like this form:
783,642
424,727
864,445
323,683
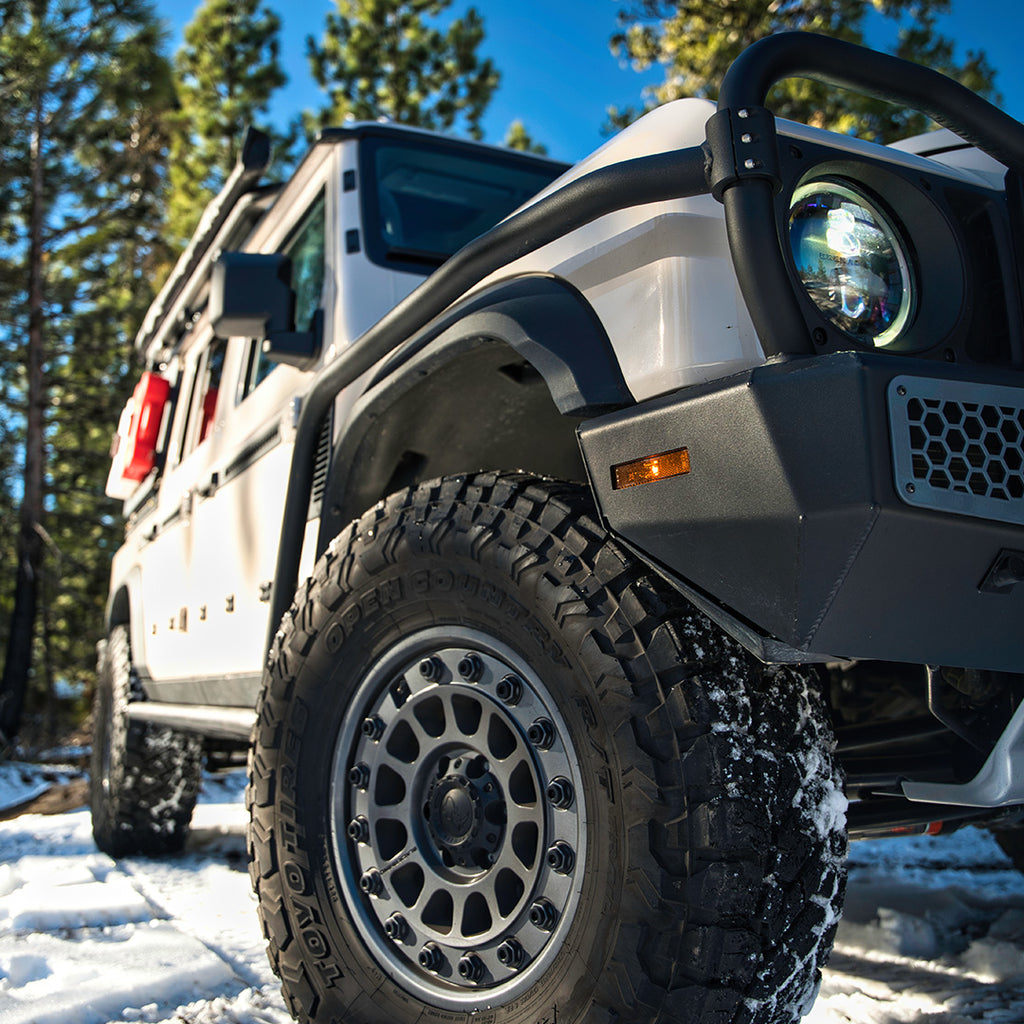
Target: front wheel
499,766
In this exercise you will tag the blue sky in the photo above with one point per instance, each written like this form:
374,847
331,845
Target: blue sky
558,75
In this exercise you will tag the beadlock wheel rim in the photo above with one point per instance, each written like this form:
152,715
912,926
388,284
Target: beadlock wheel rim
458,819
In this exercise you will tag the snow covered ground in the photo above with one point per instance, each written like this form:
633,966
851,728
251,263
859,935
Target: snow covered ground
934,930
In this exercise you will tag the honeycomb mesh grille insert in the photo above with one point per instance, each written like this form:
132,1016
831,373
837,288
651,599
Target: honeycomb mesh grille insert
958,446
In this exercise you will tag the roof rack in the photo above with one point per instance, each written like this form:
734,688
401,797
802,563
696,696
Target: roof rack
253,160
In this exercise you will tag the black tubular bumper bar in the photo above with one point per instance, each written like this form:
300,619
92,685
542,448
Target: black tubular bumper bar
649,179
744,176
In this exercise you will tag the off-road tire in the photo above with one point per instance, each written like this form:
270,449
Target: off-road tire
144,779
711,881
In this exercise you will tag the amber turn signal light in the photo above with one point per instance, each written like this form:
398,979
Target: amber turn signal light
654,467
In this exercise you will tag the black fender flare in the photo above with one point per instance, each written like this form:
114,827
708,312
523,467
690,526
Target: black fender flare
541,319
550,324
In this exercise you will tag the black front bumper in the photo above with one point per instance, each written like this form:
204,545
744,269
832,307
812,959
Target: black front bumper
847,506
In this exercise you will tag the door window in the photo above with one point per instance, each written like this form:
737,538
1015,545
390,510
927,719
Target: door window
203,396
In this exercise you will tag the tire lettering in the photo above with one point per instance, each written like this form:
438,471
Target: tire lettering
350,617
331,973
292,835
295,878
334,637
306,916
288,782
316,942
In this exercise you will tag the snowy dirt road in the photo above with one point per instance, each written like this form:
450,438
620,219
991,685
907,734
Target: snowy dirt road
934,930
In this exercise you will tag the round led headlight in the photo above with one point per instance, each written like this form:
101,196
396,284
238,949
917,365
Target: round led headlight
852,261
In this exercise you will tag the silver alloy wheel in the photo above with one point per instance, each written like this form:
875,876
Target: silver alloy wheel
458,818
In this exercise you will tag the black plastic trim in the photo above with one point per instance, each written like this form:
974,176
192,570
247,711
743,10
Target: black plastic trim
548,322
789,518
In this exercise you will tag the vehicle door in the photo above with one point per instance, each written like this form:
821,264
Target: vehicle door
237,517
170,563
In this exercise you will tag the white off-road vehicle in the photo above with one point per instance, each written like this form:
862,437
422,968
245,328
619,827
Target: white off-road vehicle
636,534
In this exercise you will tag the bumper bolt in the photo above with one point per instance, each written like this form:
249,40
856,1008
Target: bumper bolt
359,775
560,858
511,954
560,793
359,830
543,914
471,967
372,883
471,668
432,669
510,690
373,727
396,927
541,734
431,958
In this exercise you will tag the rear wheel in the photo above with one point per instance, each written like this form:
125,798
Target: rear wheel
499,766
144,779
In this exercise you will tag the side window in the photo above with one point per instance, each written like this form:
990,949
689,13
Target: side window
203,395
306,249
305,246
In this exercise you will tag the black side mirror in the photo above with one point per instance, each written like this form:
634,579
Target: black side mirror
251,297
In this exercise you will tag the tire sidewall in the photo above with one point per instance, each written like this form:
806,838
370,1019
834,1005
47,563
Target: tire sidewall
428,592
110,732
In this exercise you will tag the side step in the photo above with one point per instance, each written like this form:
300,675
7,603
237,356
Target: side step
210,720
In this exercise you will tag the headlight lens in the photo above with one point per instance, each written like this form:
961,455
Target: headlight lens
852,262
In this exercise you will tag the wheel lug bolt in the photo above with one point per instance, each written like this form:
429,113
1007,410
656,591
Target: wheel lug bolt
541,734
372,883
510,690
511,954
560,793
471,668
396,927
560,858
543,914
373,727
432,668
471,967
431,958
359,830
359,775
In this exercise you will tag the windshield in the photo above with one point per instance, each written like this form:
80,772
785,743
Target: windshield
425,201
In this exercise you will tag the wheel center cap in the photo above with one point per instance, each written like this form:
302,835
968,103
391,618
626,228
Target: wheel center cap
457,815
454,812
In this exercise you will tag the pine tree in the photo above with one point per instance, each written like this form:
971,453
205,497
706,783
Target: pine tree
225,74
81,158
387,58
517,137
697,40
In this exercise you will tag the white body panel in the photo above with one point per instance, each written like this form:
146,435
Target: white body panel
659,276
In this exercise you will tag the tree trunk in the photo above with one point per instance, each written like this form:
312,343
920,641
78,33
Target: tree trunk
18,663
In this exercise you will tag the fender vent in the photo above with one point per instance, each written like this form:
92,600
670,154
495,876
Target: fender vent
322,465
958,447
